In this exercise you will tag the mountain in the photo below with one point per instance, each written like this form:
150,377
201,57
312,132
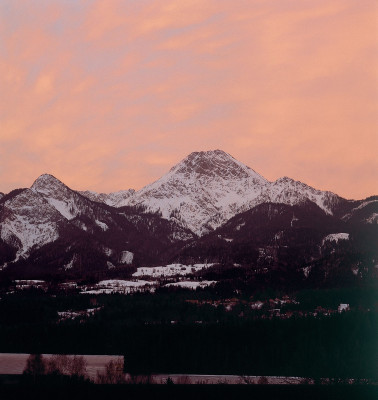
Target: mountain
54,225
207,188
27,221
269,225
365,211
202,191
115,199
294,244
207,208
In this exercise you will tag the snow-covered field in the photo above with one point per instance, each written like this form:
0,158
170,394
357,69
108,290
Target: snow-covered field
335,237
193,285
170,270
27,284
121,286
69,314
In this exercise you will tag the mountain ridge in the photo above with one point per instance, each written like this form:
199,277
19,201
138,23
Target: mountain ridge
54,224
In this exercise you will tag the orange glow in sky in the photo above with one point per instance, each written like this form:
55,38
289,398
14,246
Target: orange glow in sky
108,95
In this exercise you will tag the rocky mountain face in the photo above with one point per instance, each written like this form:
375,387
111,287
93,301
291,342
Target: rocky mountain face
208,207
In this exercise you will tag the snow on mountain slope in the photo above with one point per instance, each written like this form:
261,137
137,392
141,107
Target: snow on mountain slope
115,199
27,221
366,211
288,191
202,191
1,195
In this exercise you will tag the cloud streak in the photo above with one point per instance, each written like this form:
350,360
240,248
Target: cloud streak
108,95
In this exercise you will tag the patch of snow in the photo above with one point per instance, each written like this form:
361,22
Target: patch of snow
65,208
108,251
30,283
64,315
293,219
191,284
102,225
126,257
257,305
70,264
343,307
111,286
239,226
122,283
335,237
171,270
278,235
306,271
110,265
373,219
68,285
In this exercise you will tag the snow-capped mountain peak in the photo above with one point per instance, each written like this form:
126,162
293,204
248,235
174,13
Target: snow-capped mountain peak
215,163
57,194
288,191
202,191
46,180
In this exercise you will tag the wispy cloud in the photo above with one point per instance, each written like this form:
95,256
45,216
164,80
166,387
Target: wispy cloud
108,95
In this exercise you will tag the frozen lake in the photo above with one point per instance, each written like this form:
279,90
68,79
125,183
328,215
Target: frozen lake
12,363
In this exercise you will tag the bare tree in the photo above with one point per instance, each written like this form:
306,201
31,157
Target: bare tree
183,380
79,366
248,380
35,365
113,373
141,379
62,364
263,380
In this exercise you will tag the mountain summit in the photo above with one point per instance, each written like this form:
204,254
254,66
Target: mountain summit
215,163
202,191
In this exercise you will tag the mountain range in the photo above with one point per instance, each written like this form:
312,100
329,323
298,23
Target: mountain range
208,207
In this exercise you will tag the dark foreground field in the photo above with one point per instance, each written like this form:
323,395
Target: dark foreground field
183,392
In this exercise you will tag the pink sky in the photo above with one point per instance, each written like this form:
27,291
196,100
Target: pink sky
108,95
